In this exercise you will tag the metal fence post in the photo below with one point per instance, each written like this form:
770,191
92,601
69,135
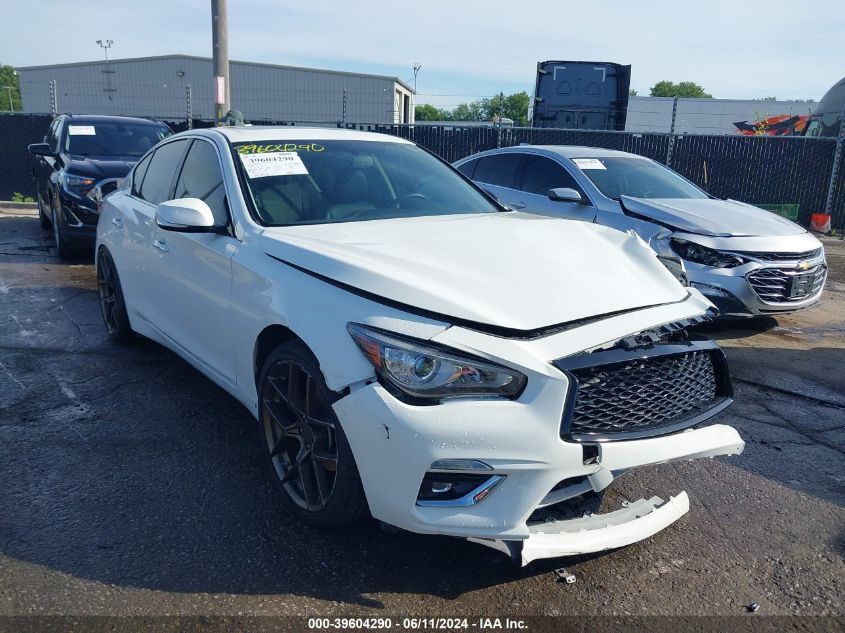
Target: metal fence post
54,102
837,165
188,113
671,145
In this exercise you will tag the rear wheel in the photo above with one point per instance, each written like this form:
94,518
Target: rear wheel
112,305
306,447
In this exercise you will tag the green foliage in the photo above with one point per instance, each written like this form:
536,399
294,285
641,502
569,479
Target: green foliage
686,89
19,197
428,112
766,99
513,107
9,78
632,93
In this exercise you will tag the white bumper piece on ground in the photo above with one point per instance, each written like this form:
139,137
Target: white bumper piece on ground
596,532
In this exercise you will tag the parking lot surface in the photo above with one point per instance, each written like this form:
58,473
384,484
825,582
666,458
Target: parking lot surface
131,485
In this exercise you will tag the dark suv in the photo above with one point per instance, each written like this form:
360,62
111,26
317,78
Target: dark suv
79,153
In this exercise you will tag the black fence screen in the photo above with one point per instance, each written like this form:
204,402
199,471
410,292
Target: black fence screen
766,170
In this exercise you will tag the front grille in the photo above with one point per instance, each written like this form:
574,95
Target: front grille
108,186
787,285
767,256
623,394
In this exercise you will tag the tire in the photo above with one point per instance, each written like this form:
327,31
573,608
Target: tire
304,443
112,304
42,217
64,248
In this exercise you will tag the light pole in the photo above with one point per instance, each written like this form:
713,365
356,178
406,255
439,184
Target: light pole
105,45
417,67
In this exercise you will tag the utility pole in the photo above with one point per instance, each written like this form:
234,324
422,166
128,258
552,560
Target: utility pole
189,114
220,57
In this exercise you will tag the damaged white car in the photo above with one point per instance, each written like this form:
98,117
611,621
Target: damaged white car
411,349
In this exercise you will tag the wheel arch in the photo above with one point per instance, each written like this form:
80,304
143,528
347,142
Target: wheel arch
269,339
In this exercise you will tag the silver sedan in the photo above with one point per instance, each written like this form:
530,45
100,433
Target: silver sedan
746,260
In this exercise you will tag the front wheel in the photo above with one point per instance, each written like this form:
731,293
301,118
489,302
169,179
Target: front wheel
42,216
63,247
305,444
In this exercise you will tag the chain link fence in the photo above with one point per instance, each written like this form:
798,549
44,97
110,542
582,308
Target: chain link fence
766,170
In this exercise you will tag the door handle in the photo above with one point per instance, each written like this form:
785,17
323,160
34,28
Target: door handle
160,245
117,222
516,205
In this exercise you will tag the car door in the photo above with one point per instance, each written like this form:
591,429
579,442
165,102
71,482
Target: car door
137,260
539,174
47,166
498,174
193,276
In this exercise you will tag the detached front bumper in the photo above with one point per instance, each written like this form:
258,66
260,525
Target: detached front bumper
395,444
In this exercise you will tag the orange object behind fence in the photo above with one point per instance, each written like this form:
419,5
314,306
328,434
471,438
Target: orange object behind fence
820,222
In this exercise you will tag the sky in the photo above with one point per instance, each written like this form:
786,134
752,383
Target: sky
467,49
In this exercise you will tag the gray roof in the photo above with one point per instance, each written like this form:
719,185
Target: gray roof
575,151
208,59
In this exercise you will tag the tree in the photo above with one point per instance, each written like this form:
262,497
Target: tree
428,112
472,111
766,99
9,78
632,93
686,89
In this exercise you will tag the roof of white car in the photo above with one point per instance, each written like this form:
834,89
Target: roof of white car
291,133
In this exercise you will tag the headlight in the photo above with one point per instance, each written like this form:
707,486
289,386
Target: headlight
77,184
699,254
423,370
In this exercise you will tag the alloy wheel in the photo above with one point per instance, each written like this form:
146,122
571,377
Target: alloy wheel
300,435
108,291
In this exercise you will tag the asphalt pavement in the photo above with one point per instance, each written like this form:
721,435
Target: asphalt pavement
131,485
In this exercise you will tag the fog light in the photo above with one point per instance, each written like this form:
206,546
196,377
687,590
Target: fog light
440,489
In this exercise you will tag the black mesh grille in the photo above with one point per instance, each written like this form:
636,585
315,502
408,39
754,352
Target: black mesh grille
644,394
780,285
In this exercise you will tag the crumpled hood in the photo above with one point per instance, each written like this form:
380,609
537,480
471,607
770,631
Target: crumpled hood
509,270
722,218
99,168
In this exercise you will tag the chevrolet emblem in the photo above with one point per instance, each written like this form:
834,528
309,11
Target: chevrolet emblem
803,265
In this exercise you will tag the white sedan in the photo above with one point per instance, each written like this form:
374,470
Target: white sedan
411,349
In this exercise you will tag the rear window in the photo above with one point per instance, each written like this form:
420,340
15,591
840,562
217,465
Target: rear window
318,182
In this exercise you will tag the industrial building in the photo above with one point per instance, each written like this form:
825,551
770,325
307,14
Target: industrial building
160,87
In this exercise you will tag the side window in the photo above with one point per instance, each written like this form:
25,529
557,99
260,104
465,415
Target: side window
138,175
159,175
468,168
53,135
201,178
541,174
498,169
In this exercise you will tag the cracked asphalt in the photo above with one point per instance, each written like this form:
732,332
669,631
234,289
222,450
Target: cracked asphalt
131,485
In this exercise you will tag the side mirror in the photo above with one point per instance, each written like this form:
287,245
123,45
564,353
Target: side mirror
564,194
40,149
187,215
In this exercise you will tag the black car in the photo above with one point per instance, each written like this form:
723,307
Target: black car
79,153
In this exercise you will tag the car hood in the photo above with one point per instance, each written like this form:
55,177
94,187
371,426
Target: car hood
721,218
99,168
507,270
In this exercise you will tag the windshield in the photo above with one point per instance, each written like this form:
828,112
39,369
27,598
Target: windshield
305,182
636,177
112,138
